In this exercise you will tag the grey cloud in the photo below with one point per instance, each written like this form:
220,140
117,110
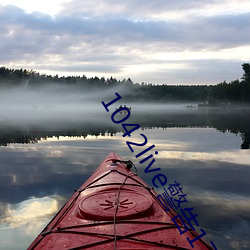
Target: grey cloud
84,68
220,31
98,40
135,8
229,31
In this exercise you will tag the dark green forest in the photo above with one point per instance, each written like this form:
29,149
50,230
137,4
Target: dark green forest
225,93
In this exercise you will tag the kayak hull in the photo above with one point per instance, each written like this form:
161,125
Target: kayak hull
114,209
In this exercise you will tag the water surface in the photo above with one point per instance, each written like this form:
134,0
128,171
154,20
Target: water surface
44,161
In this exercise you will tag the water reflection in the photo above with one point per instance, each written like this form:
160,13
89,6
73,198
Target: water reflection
20,222
36,179
234,121
29,210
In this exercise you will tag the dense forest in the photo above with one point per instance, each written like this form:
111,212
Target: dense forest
234,92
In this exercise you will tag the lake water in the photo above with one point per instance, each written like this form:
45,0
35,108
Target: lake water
45,158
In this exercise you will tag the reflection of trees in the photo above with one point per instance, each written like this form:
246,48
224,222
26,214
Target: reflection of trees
16,137
233,121
246,141
20,134
222,120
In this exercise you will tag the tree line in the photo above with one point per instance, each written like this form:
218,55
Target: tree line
236,91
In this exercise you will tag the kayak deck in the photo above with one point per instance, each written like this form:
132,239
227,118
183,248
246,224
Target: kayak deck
115,209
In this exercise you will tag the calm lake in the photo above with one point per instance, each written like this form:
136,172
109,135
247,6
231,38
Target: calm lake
45,157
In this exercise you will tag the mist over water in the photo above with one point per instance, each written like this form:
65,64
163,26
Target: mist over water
55,102
58,107
64,103
200,148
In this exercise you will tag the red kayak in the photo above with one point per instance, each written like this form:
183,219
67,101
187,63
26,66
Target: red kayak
115,209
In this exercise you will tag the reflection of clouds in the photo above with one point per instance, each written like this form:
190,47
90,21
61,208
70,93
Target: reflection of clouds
25,220
236,157
57,153
194,139
52,167
197,158
226,216
14,179
2,209
65,156
171,146
227,203
29,212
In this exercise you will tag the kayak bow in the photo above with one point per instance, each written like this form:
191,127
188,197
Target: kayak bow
115,209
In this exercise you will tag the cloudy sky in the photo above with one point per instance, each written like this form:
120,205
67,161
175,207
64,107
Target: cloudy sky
158,41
